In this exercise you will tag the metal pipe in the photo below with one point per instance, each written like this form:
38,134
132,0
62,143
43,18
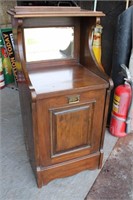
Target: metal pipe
95,5
127,4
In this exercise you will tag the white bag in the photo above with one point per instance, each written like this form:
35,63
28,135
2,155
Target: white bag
131,72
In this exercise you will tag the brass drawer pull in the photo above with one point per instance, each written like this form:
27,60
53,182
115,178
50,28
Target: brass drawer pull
73,99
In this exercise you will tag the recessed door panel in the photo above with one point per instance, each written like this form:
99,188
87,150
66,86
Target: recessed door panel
71,128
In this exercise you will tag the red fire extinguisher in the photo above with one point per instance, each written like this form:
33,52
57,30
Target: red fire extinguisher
121,105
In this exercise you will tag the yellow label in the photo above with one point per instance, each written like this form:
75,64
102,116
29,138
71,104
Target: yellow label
117,98
1,65
116,103
97,39
97,53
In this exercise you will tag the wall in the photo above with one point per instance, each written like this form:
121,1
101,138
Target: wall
4,6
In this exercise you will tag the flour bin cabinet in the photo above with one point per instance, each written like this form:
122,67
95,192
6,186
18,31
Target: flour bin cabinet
64,98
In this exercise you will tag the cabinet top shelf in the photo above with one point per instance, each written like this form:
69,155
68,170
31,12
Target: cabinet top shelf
52,11
59,79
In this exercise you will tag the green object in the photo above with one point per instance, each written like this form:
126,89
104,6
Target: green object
6,64
1,41
1,44
7,67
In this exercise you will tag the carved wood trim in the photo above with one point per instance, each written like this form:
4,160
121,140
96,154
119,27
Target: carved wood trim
22,58
20,49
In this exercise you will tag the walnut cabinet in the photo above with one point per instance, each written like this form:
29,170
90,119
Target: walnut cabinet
65,96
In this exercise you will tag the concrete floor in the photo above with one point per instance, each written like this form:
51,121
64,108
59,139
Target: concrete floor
16,177
115,181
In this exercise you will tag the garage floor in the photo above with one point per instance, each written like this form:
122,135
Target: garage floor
115,181
16,178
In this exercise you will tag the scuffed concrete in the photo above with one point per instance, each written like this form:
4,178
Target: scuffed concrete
115,181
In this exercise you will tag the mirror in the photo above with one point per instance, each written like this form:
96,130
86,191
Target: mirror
49,43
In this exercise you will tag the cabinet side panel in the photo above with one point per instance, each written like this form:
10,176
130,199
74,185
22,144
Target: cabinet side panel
26,110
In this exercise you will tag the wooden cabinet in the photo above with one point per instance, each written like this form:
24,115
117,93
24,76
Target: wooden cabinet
64,99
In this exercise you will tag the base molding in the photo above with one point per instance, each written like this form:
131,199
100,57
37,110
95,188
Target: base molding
65,169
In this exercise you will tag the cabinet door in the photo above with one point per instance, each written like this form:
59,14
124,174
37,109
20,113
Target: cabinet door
69,129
